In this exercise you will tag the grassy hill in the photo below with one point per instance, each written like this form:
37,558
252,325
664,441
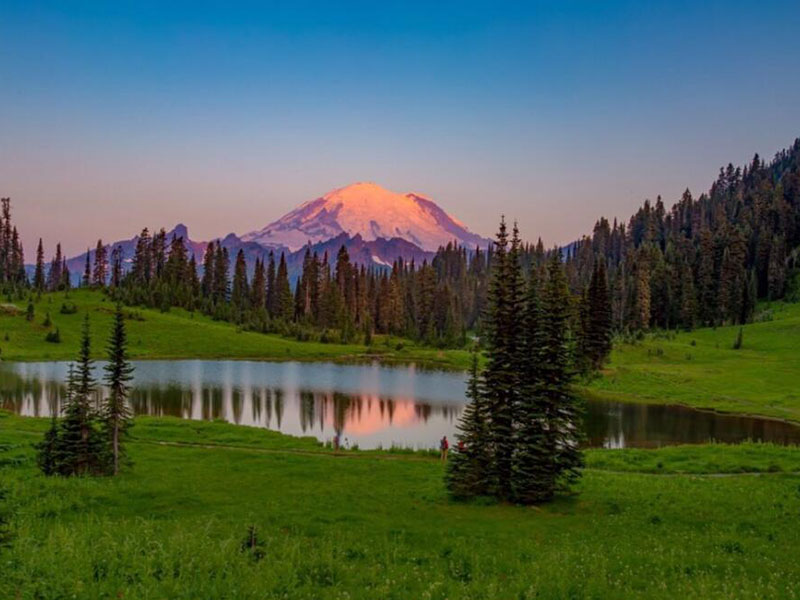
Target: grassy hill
702,369
377,525
180,334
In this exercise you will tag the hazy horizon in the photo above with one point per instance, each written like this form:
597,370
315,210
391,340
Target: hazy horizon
224,118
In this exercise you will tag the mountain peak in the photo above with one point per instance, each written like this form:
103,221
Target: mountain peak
367,209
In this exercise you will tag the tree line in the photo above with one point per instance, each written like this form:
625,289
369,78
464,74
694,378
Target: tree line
705,262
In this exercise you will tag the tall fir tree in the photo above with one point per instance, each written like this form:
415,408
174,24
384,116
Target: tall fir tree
100,265
534,471
79,449
116,267
116,417
272,303
38,275
555,372
240,292
86,280
284,303
599,319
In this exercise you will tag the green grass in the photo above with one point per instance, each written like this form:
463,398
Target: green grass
179,334
376,525
701,368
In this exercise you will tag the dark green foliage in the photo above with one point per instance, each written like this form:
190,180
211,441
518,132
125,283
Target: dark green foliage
284,302
470,464
38,275
115,415
47,448
54,337
252,545
240,293
29,311
521,428
6,535
555,376
68,308
533,471
87,441
595,321
100,272
79,446
86,281
502,351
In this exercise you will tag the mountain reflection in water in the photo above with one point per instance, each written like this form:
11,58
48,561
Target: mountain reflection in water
369,404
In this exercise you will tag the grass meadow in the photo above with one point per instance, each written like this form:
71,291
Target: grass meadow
699,522
702,369
178,333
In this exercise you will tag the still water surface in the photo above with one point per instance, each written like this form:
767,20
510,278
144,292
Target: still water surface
370,405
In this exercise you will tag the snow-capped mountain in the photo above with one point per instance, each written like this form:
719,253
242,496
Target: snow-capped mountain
369,211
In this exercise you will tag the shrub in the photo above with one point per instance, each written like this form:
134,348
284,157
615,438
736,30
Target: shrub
252,545
54,337
68,308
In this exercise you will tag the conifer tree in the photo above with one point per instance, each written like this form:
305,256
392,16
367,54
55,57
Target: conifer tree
100,265
222,286
46,450
116,267
86,281
272,302
503,354
207,283
469,468
707,290
258,290
66,277
118,372
555,371
38,275
599,318
688,308
54,276
79,448
284,304
534,470
240,292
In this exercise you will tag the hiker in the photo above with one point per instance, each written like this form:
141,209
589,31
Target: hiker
444,446
461,445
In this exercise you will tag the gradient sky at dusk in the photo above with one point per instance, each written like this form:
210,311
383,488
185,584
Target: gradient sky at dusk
116,116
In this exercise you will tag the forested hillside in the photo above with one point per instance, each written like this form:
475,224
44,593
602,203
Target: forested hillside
705,261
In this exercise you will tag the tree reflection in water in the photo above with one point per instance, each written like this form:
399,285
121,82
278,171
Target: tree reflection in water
370,405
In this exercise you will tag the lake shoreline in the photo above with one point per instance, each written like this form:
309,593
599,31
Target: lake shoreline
368,403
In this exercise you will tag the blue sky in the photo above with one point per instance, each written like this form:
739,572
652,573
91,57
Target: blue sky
114,116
